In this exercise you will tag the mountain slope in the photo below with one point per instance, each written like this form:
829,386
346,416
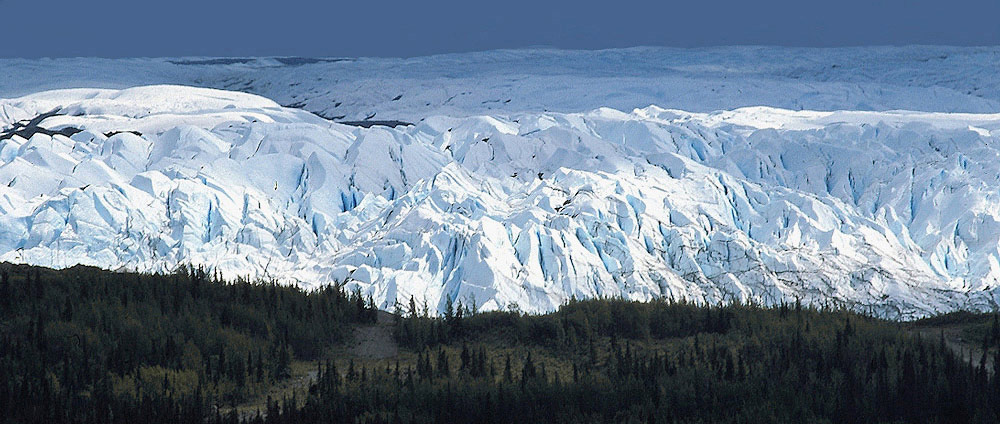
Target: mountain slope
893,213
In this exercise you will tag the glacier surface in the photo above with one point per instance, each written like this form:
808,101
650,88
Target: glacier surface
543,195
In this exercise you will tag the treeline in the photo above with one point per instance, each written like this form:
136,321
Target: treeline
619,361
85,345
576,324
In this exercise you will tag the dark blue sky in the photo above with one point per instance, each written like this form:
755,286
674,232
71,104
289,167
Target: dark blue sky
122,28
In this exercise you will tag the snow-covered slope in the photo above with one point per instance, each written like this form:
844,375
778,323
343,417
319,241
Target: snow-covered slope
891,212
940,79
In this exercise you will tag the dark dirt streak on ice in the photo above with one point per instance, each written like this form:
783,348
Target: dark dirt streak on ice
26,130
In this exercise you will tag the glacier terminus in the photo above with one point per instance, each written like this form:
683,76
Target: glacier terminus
523,178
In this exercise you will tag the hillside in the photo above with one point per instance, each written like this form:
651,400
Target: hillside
84,345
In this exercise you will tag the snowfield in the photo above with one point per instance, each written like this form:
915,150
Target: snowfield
758,174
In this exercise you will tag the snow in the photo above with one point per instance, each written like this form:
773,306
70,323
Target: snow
921,78
712,175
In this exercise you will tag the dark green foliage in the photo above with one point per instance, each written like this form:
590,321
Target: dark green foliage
86,345
669,362
83,345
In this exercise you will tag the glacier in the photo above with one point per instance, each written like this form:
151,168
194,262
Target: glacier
799,180
923,78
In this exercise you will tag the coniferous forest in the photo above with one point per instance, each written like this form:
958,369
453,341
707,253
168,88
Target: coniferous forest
83,345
